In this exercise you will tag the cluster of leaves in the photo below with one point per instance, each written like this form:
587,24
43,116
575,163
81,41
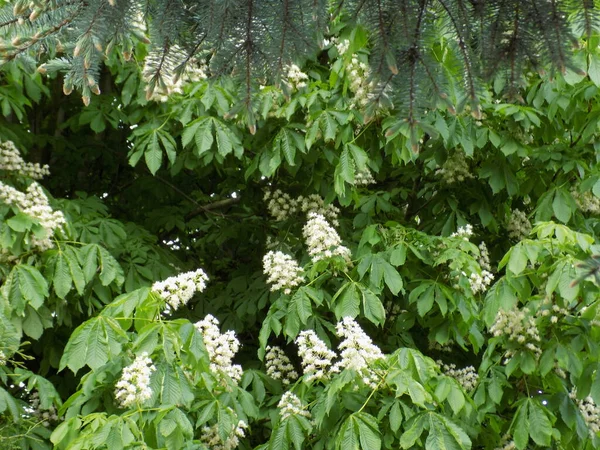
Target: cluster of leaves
153,188
422,50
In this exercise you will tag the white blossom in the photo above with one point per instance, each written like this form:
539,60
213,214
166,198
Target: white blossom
357,351
316,357
322,239
212,439
484,257
279,366
466,377
173,82
282,206
518,226
3,358
291,405
341,46
134,385
46,416
295,77
506,443
465,232
589,411
315,204
455,169
221,348
11,161
283,271
364,178
519,328
35,204
480,283
358,76
586,201
179,289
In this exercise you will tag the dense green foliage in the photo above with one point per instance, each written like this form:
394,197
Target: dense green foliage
151,189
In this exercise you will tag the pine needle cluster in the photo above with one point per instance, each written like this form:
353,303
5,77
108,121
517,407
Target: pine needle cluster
424,53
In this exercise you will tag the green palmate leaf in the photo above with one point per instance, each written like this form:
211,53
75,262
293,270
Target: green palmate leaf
203,137
97,259
346,166
594,68
329,125
392,278
414,432
295,431
348,437
518,259
153,153
395,417
359,156
445,435
368,431
520,426
92,344
24,285
301,303
372,307
9,404
170,386
563,205
347,301
20,222
540,426
280,439
288,142
170,146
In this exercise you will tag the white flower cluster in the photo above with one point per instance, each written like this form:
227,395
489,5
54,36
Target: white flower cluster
279,366
221,348
316,357
134,385
590,412
35,204
480,283
465,232
295,77
455,169
10,160
358,75
364,178
322,239
178,290
45,415
446,348
3,358
291,405
586,201
341,46
506,443
392,310
518,226
281,206
467,377
357,351
172,84
212,439
555,312
283,271
518,327
484,257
